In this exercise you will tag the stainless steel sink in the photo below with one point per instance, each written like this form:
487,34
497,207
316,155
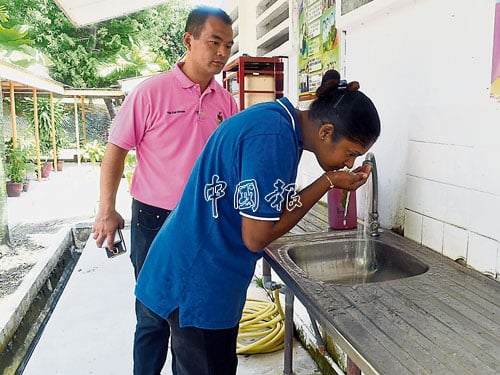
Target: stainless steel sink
354,261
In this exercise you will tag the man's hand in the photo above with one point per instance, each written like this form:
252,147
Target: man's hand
105,226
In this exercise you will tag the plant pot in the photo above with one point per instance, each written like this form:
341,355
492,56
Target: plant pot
46,169
26,185
14,189
60,164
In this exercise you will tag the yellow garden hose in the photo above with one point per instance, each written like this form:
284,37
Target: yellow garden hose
262,326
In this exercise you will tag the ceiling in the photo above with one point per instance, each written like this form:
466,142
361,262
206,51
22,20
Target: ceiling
86,12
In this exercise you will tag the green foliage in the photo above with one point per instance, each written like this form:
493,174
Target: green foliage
79,55
4,15
130,163
17,162
45,122
15,46
93,152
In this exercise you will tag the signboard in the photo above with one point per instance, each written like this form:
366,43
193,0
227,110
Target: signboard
318,44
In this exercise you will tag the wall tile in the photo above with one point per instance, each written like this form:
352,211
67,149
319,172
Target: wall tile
455,241
482,253
414,194
434,196
432,234
413,226
457,206
484,214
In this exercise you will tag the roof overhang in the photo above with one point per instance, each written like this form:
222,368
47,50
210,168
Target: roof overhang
24,81
87,12
95,93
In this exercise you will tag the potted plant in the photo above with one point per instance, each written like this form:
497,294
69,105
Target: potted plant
16,166
45,127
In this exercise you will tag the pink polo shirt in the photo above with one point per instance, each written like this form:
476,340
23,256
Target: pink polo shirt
168,120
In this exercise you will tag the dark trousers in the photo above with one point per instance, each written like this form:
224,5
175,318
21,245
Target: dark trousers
151,331
203,351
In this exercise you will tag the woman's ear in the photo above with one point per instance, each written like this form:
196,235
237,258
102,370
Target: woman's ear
326,131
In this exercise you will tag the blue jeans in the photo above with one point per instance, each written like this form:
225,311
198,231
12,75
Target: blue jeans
151,331
203,351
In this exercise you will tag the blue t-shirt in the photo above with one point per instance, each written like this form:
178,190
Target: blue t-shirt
198,261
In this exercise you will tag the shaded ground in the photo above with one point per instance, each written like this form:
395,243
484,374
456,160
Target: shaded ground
28,241
65,199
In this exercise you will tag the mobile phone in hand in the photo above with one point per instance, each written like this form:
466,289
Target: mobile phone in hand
118,246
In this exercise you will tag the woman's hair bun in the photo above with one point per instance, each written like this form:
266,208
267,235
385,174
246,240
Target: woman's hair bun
353,86
331,74
331,81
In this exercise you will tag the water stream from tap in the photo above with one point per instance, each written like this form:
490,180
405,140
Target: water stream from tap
364,259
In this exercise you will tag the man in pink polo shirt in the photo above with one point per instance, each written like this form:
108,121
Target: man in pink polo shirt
167,119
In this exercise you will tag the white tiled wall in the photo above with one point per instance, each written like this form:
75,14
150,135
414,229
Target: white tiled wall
440,129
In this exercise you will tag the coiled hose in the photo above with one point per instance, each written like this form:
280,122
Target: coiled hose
262,326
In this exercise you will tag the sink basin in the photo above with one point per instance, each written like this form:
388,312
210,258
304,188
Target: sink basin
354,261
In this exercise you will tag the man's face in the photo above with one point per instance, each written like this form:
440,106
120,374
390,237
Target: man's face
211,50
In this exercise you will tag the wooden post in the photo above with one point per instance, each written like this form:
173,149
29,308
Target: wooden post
53,130
13,115
37,135
84,127
77,131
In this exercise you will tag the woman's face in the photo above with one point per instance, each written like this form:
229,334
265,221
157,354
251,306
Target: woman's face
339,154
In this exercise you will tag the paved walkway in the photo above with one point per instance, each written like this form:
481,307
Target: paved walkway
91,329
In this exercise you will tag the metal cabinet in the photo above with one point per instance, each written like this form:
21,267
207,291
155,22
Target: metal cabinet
254,80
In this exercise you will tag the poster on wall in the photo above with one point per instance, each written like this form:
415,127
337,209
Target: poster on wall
495,70
318,44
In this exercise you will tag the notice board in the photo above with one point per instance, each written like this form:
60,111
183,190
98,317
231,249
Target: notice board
319,44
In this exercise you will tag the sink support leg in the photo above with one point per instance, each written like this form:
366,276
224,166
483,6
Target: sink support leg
288,351
266,273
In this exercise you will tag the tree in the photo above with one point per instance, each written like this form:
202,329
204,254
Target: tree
15,46
81,54
142,43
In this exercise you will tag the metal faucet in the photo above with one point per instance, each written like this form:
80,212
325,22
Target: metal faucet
373,225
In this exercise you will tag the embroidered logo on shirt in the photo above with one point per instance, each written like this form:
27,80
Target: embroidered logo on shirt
176,112
214,191
246,195
283,193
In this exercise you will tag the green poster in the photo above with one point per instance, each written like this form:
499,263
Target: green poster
318,44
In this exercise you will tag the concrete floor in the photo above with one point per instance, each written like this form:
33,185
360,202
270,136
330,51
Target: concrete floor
91,329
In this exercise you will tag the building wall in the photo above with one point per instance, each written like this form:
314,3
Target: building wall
427,65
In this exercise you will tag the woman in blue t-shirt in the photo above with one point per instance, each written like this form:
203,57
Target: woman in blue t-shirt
240,197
